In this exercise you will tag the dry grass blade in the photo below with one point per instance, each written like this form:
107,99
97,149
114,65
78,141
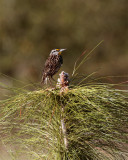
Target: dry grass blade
84,59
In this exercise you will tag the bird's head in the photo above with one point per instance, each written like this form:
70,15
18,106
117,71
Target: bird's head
57,51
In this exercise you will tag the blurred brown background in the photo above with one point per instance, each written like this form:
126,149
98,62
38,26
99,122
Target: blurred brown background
30,29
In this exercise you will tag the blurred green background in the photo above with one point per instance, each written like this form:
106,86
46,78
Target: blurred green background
30,29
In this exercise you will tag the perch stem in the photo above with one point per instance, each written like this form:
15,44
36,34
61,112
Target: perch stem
64,129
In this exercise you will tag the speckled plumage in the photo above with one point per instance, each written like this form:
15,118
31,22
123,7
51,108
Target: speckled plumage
51,67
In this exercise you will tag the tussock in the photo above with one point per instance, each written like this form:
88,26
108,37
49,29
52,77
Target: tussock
95,118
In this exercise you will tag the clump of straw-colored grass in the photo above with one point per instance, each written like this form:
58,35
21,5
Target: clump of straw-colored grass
95,118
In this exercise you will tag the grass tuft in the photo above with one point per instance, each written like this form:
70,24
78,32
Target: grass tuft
95,118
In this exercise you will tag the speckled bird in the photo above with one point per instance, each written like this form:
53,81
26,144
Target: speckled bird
52,65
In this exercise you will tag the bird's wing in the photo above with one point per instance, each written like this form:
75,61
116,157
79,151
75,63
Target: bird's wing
52,65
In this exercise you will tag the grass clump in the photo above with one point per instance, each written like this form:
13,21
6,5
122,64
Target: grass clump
95,118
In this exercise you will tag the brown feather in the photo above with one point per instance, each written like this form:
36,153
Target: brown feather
52,66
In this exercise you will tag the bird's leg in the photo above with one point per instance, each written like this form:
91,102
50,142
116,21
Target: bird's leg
54,81
51,83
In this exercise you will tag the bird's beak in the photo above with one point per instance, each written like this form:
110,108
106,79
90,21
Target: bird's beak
61,50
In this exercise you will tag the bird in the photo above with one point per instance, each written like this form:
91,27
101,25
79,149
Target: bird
63,82
52,65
